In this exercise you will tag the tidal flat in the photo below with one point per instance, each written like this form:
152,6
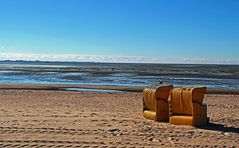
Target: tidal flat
119,74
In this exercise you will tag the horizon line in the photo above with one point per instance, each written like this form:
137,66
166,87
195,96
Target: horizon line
2,61
112,59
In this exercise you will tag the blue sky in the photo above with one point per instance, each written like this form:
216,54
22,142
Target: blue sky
203,29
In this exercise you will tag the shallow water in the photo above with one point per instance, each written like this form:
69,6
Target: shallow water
214,76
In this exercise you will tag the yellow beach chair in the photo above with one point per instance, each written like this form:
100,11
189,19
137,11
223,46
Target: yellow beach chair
186,106
155,102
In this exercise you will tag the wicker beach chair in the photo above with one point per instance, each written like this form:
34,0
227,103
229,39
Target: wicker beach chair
186,106
155,102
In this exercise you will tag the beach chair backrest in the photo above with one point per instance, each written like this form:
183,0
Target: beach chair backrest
149,98
181,99
151,94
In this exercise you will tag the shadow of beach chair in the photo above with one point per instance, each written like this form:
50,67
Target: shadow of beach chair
186,106
155,102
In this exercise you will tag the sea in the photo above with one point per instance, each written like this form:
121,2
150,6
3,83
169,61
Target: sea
119,74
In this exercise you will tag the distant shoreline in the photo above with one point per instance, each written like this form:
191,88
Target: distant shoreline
64,87
32,62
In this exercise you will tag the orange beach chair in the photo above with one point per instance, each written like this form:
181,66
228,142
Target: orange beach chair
186,106
155,102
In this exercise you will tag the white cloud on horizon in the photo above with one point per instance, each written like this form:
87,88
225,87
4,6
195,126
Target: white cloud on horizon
114,59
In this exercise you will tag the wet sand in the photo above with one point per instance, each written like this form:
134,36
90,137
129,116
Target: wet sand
50,118
63,87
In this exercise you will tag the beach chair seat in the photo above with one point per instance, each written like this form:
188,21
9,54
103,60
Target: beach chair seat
186,106
155,102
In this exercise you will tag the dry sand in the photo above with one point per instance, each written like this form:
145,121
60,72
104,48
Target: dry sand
41,118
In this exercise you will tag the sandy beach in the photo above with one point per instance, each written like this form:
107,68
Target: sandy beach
91,74
54,118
